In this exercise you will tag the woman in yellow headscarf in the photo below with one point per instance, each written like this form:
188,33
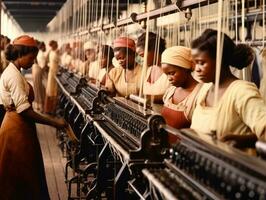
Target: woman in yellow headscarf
180,97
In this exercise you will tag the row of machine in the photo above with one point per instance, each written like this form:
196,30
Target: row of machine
118,149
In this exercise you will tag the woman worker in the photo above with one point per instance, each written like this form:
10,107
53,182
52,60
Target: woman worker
180,98
124,80
155,82
51,88
21,165
106,55
37,76
240,113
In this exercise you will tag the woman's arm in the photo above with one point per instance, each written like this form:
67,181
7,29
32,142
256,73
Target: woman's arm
42,119
240,141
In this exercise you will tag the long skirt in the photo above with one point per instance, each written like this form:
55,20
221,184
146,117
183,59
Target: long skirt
38,87
51,92
22,173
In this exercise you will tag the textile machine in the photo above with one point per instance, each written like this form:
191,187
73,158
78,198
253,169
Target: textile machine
206,169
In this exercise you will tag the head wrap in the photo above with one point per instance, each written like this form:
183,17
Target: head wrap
179,56
25,40
89,45
125,42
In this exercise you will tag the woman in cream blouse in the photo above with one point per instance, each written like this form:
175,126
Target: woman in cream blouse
240,113
21,165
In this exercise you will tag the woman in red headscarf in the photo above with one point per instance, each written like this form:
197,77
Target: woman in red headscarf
125,79
21,165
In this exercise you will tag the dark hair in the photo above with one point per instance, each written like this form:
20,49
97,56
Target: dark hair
107,51
41,45
7,40
13,52
238,56
124,50
154,42
52,42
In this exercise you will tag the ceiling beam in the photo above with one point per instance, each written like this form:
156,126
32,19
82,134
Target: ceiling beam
49,3
31,10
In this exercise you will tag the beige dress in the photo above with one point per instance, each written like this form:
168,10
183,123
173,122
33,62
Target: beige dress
101,77
116,81
38,87
37,75
51,88
94,70
159,87
66,60
240,111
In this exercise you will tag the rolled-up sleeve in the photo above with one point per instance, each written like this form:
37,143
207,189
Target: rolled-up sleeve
252,109
19,93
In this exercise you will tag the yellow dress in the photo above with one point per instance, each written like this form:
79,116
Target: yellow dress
240,111
159,87
116,81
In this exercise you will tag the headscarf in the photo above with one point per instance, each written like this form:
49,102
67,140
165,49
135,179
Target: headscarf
179,56
25,40
89,45
125,42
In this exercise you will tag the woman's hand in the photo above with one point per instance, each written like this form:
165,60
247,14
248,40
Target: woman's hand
60,123
240,141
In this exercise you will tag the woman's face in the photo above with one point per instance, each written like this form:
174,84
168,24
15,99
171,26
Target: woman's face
177,76
27,61
150,56
90,55
125,60
204,66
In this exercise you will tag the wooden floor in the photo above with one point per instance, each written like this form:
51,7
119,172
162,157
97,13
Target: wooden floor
53,161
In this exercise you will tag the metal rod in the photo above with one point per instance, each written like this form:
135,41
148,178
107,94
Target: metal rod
152,14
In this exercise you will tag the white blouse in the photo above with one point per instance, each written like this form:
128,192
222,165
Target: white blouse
14,89
41,59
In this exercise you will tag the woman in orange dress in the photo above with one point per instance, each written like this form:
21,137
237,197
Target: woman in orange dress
180,97
22,173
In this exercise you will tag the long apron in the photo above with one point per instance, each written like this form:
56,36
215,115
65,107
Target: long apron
175,119
22,173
